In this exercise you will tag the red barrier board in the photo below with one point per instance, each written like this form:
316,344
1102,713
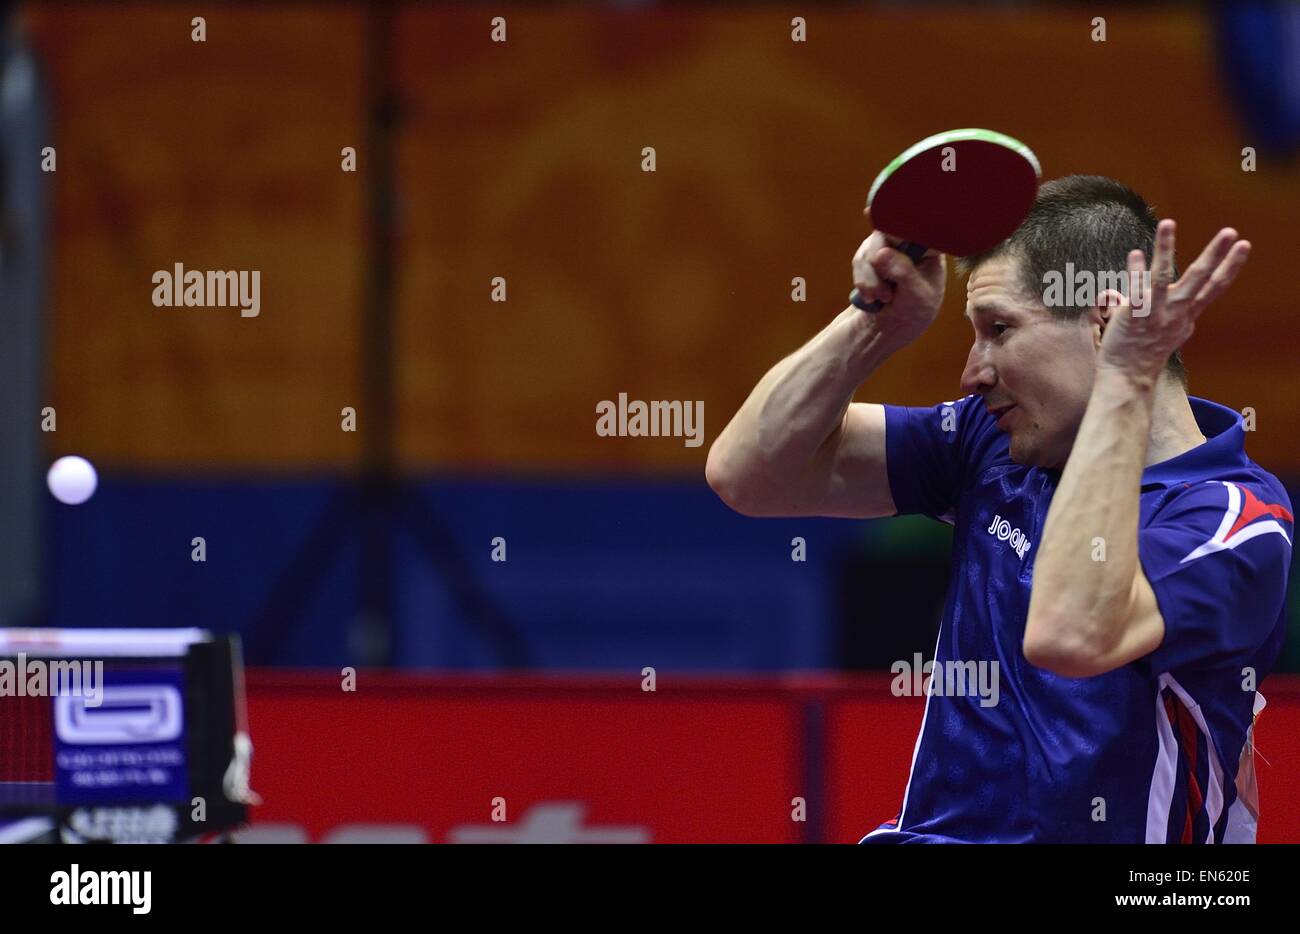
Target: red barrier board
869,745
579,759
561,760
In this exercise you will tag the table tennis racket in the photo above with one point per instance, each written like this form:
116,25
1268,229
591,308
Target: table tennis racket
959,192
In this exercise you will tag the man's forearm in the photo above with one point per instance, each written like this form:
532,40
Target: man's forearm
799,405
1087,559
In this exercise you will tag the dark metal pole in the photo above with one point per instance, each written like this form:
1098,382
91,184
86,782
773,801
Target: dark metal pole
375,417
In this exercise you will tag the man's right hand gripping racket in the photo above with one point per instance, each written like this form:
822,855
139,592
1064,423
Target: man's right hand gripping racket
959,192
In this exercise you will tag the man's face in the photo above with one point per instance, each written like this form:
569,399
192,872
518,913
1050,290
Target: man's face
1025,358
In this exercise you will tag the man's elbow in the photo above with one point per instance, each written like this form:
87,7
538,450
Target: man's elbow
727,481
1067,657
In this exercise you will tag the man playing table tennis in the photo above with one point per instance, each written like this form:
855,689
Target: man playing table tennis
1116,554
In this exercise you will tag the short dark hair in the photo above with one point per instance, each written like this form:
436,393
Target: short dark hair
1088,220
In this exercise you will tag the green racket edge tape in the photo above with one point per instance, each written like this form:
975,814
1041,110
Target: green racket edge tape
955,136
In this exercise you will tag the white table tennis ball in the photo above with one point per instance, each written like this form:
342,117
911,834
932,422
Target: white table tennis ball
72,480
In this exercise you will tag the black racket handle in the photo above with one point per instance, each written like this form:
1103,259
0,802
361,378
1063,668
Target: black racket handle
913,251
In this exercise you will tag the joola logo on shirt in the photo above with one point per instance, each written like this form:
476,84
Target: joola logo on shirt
1013,537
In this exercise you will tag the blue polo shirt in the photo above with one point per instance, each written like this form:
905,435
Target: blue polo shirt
1156,751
